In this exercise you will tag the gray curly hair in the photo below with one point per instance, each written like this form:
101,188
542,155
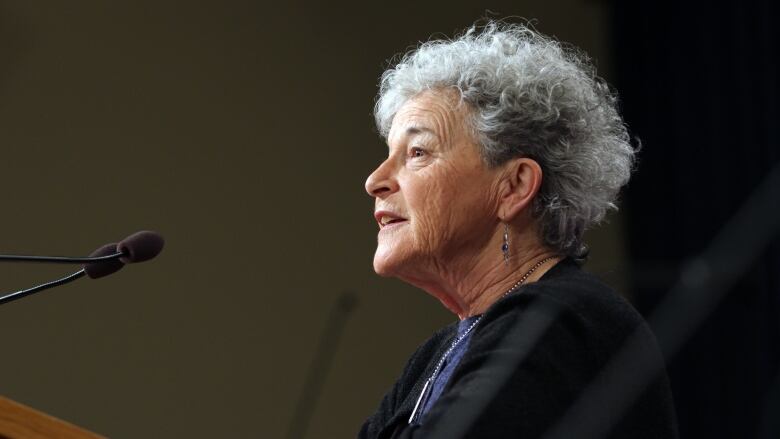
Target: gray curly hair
533,97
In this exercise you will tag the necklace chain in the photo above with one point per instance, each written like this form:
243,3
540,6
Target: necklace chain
449,350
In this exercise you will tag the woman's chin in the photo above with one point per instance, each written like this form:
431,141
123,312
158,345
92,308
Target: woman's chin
387,263
383,267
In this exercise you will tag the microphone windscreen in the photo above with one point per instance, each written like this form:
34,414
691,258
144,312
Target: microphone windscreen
140,246
103,268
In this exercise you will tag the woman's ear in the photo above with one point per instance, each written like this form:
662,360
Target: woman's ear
522,181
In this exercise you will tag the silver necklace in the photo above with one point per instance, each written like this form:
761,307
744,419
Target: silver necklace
429,381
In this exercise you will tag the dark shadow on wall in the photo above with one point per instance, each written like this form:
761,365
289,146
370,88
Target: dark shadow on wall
699,88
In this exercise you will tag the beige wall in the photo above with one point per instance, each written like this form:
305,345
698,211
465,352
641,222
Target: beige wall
243,133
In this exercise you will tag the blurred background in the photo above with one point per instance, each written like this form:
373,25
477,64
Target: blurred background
243,133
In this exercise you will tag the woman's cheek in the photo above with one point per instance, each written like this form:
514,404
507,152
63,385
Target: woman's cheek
435,219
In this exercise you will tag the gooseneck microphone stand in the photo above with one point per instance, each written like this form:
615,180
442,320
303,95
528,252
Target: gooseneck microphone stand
60,259
110,258
55,260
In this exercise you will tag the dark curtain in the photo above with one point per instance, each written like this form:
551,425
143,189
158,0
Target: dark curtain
698,86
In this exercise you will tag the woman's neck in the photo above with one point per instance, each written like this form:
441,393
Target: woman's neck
469,286
502,278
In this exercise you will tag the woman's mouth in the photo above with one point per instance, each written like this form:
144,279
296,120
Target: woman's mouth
392,223
388,219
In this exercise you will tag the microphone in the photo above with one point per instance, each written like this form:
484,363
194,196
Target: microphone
140,246
105,267
108,259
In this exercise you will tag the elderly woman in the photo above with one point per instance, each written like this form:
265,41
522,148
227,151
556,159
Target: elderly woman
504,147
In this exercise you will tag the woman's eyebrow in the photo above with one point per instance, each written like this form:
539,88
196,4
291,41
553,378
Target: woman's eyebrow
416,130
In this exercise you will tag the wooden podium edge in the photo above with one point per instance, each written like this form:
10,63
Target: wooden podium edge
17,421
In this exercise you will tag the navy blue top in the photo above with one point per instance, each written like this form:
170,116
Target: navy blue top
450,363
541,375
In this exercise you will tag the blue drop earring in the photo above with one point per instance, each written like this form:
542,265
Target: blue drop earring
505,245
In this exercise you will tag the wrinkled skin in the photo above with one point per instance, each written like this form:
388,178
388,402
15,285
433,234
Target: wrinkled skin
454,207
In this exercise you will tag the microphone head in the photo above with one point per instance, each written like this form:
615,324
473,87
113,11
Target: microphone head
103,268
140,246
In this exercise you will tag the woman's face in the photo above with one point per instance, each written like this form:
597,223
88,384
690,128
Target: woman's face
436,201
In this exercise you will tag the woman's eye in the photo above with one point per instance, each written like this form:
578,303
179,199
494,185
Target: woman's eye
416,152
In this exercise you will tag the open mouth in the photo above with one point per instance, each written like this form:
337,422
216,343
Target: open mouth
387,222
388,219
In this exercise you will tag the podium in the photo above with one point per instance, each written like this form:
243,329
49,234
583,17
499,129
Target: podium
18,421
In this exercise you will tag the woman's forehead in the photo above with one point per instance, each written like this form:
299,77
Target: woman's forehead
428,113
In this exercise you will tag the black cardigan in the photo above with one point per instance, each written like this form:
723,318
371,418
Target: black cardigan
588,323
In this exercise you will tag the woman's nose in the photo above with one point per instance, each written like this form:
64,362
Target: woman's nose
382,181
